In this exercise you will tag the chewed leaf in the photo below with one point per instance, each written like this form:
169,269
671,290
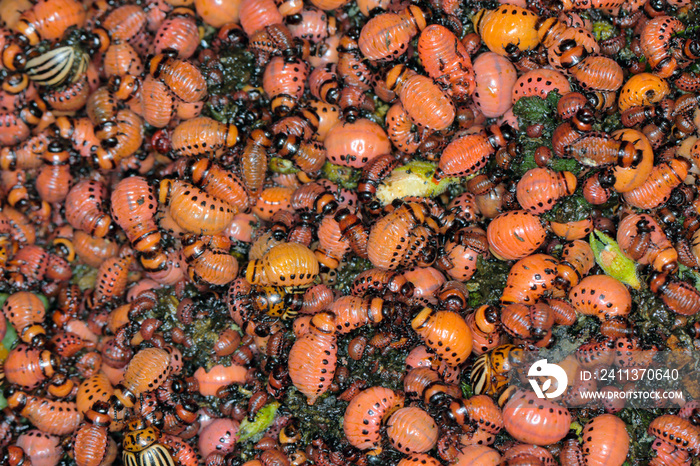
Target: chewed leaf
263,419
413,179
610,258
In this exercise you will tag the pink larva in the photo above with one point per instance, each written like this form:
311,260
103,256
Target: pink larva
495,78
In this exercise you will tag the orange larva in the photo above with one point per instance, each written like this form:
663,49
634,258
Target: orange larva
679,296
93,250
202,136
220,183
256,15
313,357
446,333
40,447
92,443
426,104
28,367
540,188
272,200
601,296
284,82
356,144
111,279
26,312
52,417
123,144
412,430
364,414
657,188
182,78
468,154
49,19
446,60
178,32
125,22
386,36
193,209
529,278
208,263
676,431
605,441
533,420
146,371
508,25
133,206
516,234
352,312
286,264
121,60
400,130
157,101
478,454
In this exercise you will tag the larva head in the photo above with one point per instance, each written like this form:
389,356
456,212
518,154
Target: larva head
255,272
164,191
16,399
477,18
99,414
231,135
569,181
418,15
376,310
35,335
157,63
324,322
396,77
421,320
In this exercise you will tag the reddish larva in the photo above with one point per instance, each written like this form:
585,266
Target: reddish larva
540,83
469,154
532,420
356,144
26,312
386,36
412,430
601,296
605,441
453,346
516,234
313,358
49,19
426,104
540,188
193,209
364,414
133,207
677,295
529,279
284,81
201,136
182,78
52,417
446,60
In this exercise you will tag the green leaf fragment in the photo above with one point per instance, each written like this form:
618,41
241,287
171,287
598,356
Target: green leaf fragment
252,430
613,262
688,272
413,179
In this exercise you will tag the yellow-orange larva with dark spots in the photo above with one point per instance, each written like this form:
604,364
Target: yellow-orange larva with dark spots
286,264
446,333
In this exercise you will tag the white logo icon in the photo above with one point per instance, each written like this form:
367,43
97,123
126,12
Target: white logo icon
542,368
